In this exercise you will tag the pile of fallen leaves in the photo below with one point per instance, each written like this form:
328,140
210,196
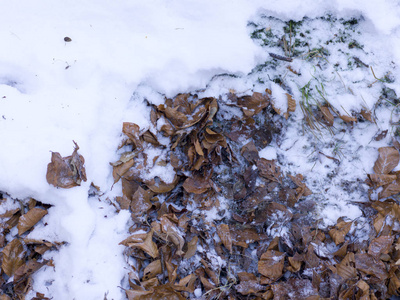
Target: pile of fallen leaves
20,255
231,225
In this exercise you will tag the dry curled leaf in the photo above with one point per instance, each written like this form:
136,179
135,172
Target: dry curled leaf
339,232
225,236
13,255
28,220
328,116
147,244
66,172
387,160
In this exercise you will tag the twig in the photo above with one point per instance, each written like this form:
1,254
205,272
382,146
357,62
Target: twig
279,57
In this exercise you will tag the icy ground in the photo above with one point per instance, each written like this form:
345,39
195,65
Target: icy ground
53,91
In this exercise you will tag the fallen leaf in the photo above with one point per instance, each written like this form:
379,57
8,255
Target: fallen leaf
147,245
339,232
327,115
192,248
381,179
271,264
196,185
140,203
387,160
346,268
152,270
66,172
225,236
13,254
371,266
186,284
28,220
380,245
348,119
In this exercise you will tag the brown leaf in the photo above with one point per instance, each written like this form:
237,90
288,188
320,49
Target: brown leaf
269,170
271,264
140,202
388,159
196,185
225,236
249,287
367,115
28,269
380,245
13,255
173,234
186,284
28,220
192,248
338,233
346,269
147,245
295,265
348,119
158,186
152,270
390,190
327,115
291,105
250,152
381,179
252,105
66,172
371,266
122,166
132,131
295,289
163,292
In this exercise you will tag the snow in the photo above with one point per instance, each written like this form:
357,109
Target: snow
124,52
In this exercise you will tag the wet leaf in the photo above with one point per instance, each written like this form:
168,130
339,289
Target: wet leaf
28,220
66,172
388,159
271,264
225,236
13,255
